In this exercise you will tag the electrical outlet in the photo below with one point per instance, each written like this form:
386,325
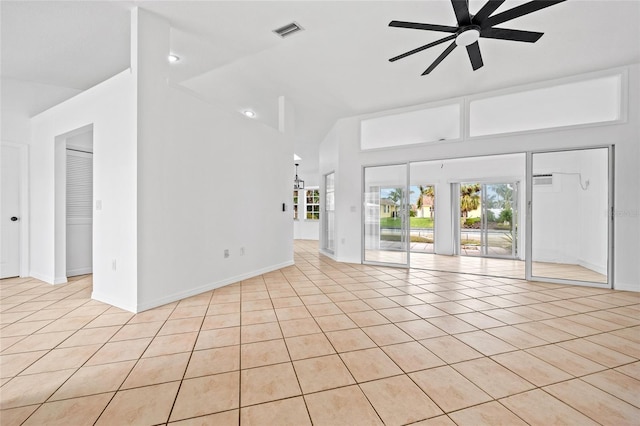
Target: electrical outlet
226,253
241,251
113,264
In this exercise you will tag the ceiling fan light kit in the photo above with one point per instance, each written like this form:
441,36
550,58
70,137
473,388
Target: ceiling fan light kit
469,35
473,27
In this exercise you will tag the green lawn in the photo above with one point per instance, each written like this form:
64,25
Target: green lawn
416,222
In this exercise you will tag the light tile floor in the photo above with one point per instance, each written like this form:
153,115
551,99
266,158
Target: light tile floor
324,343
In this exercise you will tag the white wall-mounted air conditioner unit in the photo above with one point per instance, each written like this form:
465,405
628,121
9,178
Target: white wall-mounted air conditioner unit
543,179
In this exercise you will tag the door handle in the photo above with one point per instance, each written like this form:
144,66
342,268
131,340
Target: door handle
13,218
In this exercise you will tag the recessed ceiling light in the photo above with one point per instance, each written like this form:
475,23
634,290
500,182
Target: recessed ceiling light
296,157
249,113
173,58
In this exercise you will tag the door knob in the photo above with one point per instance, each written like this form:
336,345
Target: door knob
13,218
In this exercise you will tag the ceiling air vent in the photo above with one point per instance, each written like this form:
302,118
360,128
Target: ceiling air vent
288,29
546,179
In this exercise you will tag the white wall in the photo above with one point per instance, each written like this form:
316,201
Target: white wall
344,140
171,174
110,107
15,127
306,229
209,180
328,160
556,209
593,212
570,217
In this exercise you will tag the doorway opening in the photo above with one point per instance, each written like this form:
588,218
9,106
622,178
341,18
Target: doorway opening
74,203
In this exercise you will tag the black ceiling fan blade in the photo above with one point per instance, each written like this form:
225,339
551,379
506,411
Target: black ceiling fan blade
513,35
421,48
474,55
440,58
461,9
486,11
420,26
516,12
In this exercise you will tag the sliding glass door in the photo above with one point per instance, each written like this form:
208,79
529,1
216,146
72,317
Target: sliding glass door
422,218
499,220
569,221
386,217
489,219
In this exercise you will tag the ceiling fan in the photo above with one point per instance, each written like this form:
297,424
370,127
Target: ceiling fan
472,27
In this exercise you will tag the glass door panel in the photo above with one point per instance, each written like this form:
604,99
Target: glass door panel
471,219
488,223
422,218
386,214
499,219
569,199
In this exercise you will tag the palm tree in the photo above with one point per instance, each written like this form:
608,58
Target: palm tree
395,195
469,198
505,192
428,192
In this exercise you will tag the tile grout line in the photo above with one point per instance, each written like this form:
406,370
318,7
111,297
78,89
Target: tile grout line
186,367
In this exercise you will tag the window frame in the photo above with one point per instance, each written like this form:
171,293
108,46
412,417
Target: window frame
312,201
296,204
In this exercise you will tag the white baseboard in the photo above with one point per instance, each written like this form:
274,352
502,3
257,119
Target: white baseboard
626,287
79,271
113,302
48,278
345,259
592,266
207,287
328,254
42,277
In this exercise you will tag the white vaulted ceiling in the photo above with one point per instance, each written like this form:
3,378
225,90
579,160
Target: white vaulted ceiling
338,66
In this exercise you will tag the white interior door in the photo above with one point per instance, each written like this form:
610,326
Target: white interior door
10,212
79,213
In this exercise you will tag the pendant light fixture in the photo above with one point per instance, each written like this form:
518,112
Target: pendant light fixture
297,182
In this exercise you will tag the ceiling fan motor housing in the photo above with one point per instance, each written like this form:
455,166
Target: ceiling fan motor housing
468,35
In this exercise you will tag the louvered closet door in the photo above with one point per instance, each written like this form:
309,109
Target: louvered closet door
79,212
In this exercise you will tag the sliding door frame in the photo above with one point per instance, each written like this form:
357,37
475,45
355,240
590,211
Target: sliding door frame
405,229
610,220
